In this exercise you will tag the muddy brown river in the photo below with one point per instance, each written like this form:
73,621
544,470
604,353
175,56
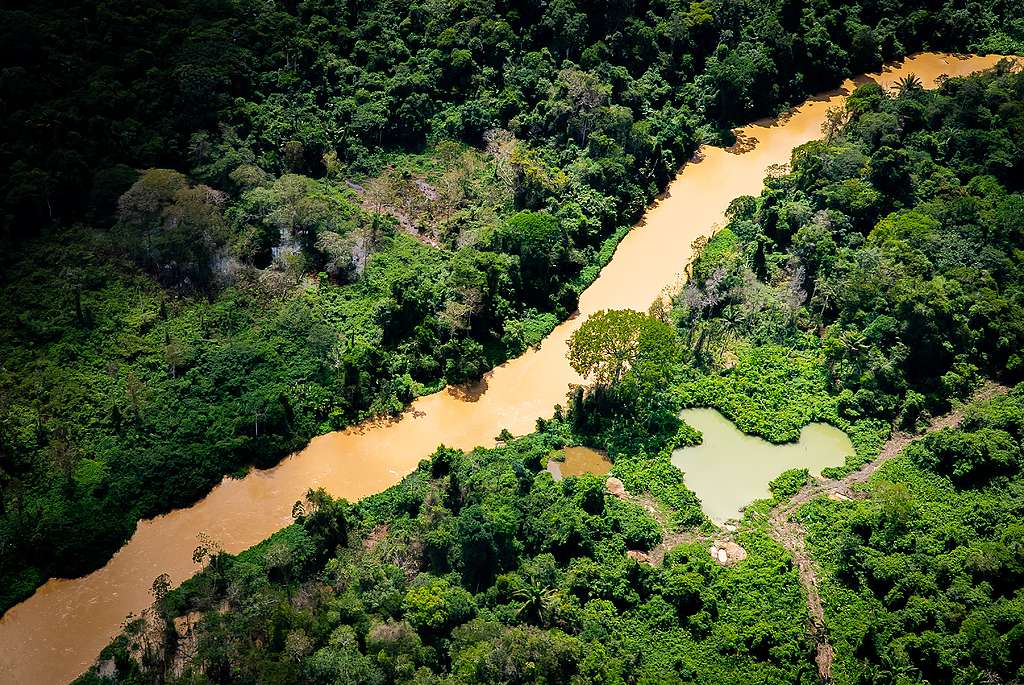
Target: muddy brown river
55,634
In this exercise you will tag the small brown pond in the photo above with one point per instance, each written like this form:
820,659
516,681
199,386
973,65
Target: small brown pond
579,460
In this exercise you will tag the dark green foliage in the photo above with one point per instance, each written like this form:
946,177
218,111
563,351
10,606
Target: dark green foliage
924,577
546,594
542,247
218,85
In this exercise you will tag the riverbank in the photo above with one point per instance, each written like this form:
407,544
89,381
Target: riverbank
368,458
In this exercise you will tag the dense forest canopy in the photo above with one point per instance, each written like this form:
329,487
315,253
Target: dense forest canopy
819,301
231,226
924,578
479,568
90,89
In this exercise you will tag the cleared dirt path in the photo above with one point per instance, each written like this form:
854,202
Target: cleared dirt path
791,534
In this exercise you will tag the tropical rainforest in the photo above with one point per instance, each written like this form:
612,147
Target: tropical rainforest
876,283
230,226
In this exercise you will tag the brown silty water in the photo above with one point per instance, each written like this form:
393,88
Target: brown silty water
580,460
54,635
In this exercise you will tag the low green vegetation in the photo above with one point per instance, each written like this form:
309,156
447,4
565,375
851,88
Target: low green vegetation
792,382
788,484
924,578
853,299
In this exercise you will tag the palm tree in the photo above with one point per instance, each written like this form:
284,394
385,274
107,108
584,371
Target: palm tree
538,602
909,84
854,342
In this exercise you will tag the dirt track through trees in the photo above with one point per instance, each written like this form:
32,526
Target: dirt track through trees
791,534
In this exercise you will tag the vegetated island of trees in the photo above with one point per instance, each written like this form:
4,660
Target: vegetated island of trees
230,226
871,285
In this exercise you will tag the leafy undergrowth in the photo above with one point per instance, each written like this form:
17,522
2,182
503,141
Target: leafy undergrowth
923,580
773,392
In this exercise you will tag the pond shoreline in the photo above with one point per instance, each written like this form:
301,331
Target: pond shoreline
731,469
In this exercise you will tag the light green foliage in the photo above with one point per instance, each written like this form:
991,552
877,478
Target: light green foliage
923,577
788,484
771,391
908,230
611,342
556,598
642,473
433,605
721,250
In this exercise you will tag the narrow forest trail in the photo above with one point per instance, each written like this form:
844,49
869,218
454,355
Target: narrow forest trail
792,535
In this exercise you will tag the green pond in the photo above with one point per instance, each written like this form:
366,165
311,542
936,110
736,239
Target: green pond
731,469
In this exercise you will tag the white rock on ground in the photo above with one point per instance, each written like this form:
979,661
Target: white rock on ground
615,486
727,552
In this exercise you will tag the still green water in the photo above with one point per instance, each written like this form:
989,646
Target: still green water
731,469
